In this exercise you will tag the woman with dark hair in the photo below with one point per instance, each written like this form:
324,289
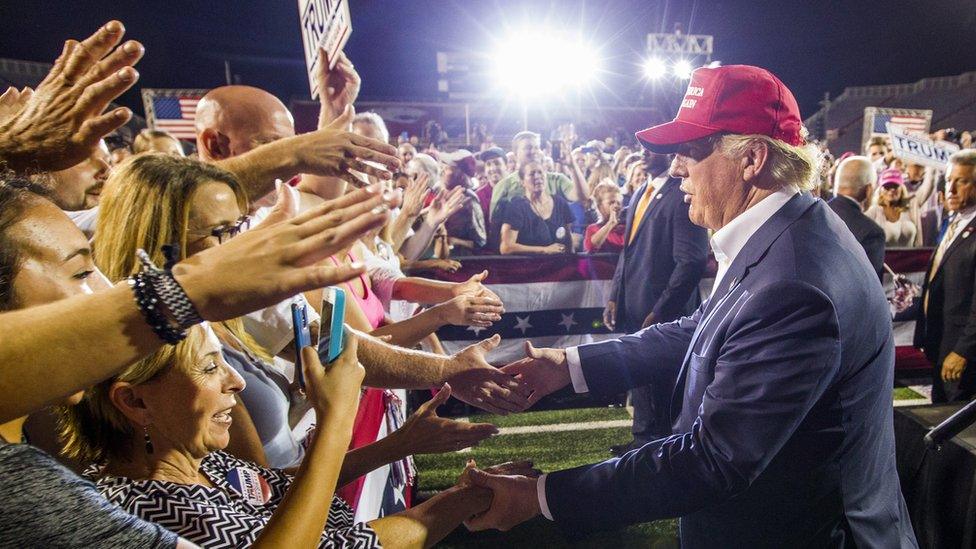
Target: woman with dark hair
45,258
537,223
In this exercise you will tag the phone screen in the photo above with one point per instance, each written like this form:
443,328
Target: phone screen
330,326
303,336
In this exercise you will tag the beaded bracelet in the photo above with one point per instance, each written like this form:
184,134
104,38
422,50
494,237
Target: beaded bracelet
161,299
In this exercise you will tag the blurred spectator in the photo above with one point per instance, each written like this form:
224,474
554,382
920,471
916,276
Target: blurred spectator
370,124
510,163
896,212
854,184
607,235
495,169
466,228
879,152
157,141
538,222
118,154
406,152
527,146
80,186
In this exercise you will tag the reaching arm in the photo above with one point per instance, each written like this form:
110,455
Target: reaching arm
256,269
473,380
413,247
300,518
328,152
427,523
464,310
423,290
776,360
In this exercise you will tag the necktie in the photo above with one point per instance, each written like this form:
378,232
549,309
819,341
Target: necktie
639,212
939,252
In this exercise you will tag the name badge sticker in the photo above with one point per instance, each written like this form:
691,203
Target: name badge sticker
250,484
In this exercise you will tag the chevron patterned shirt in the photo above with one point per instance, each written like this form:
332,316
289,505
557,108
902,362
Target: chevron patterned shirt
221,517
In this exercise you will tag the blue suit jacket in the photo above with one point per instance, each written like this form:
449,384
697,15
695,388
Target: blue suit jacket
782,409
660,270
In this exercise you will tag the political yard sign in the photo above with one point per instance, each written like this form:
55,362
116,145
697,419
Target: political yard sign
325,24
917,148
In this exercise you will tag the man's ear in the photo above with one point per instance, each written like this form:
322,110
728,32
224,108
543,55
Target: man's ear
753,162
216,146
125,396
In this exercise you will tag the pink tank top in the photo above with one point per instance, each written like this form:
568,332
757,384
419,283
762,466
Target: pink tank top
370,305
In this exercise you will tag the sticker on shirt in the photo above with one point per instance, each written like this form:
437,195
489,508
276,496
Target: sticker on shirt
250,484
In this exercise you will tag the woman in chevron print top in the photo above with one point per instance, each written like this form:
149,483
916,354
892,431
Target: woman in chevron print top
159,427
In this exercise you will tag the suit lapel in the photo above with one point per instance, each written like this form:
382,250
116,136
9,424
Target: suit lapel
666,187
754,250
959,241
632,208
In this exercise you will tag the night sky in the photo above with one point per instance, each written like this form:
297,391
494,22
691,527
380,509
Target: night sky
813,46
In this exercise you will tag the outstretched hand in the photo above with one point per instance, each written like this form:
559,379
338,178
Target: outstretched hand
63,120
480,384
425,432
544,371
270,263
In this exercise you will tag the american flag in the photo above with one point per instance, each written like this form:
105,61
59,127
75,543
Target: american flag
175,114
913,123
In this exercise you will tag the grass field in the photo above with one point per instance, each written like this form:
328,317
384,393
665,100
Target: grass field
552,451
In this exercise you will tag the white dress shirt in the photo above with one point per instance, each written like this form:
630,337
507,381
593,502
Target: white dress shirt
726,244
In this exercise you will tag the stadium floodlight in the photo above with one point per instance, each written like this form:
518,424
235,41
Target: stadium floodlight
534,63
682,69
655,67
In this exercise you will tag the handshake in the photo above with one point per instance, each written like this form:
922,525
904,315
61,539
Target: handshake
509,492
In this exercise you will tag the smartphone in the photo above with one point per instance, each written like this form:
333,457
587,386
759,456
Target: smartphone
330,325
303,337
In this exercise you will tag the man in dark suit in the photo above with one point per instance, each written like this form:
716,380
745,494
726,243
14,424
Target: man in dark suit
782,408
946,328
853,182
656,281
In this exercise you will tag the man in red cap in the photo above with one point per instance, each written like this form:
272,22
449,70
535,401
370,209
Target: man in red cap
781,408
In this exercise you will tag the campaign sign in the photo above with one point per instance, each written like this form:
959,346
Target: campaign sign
325,24
918,148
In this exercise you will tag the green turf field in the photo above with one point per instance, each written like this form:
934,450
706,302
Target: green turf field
552,451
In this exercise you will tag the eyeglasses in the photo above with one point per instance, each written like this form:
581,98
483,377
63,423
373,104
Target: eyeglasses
223,233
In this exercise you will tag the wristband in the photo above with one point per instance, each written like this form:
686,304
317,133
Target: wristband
162,301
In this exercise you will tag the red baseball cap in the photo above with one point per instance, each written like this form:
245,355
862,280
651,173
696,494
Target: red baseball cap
736,99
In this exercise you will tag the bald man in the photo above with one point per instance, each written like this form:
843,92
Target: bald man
854,182
232,120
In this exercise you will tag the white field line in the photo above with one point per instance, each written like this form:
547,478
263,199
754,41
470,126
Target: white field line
555,428
912,402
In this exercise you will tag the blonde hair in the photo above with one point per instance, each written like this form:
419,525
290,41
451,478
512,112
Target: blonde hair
787,164
146,204
94,430
603,188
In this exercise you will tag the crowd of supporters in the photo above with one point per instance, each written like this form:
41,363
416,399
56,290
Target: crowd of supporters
147,339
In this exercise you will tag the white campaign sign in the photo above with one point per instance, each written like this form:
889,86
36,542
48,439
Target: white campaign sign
325,24
918,148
